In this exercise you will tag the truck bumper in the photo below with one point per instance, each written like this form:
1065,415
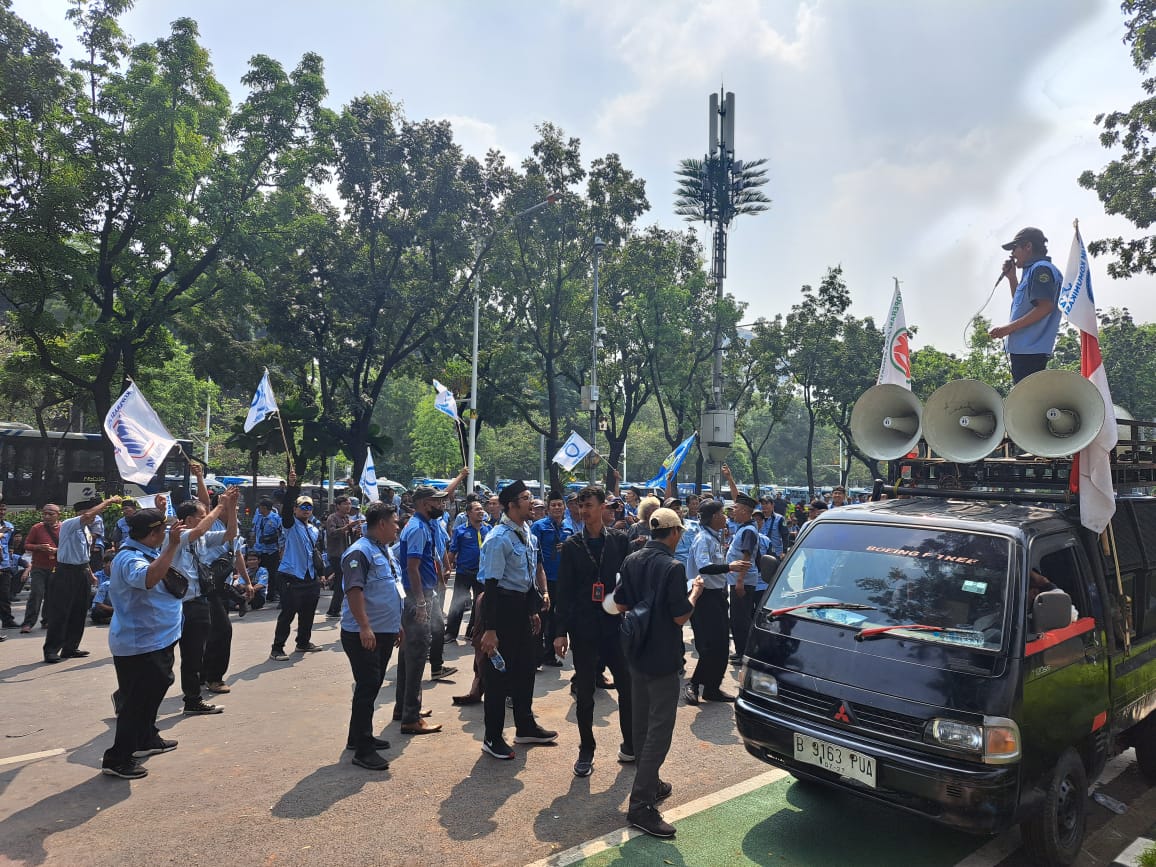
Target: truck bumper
980,799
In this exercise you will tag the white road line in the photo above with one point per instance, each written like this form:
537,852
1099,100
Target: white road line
31,757
621,835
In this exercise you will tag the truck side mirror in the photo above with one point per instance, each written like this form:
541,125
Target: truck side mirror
1051,610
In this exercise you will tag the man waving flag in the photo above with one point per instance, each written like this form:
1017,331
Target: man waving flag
263,405
1091,470
673,463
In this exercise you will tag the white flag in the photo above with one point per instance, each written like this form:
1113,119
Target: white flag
263,404
445,402
149,501
139,439
368,482
1093,465
572,451
896,365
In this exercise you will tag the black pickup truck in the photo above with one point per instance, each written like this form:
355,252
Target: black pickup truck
974,662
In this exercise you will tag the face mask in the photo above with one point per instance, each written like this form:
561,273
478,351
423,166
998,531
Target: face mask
436,513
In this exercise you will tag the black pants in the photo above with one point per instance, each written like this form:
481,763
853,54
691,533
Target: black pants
368,672
38,581
220,644
437,631
595,646
465,590
100,618
258,600
7,591
518,646
298,599
272,562
194,640
549,624
742,612
142,681
1025,365
655,706
709,622
67,606
338,587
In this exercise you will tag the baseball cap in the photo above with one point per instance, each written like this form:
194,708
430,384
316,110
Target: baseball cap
663,519
426,493
301,501
1028,233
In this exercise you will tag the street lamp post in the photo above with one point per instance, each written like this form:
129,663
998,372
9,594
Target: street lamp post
599,246
481,251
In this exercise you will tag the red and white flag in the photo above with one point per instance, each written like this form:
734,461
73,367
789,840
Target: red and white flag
896,365
1091,468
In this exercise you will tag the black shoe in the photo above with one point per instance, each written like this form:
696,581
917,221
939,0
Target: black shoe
691,693
497,748
307,648
75,654
718,695
51,658
442,673
201,708
735,657
371,761
552,661
625,754
378,744
129,770
11,624
603,683
584,767
160,745
536,735
648,819
663,792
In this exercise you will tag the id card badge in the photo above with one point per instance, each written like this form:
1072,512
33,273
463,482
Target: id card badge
597,592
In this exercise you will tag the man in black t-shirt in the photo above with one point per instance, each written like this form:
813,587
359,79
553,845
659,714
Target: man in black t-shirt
653,576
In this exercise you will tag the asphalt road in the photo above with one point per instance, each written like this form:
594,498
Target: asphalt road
268,781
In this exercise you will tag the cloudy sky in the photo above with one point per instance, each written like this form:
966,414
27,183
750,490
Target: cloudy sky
904,139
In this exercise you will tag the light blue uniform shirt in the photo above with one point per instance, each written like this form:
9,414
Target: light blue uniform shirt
266,525
746,536
371,566
706,550
101,597
573,525
7,561
260,578
143,620
1041,281
682,552
509,558
185,560
75,546
300,540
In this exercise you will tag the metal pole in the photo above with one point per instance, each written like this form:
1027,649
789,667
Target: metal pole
542,466
208,417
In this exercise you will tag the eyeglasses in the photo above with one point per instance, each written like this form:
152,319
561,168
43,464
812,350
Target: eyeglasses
306,507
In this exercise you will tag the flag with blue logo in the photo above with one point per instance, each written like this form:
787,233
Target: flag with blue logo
263,405
140,441
573,450
673,463
368,481
149,501
445,402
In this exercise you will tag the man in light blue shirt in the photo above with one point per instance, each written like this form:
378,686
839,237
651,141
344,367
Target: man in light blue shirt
8,564
370,625
267,533
709,620
146,624
744,547
1035,313
67,601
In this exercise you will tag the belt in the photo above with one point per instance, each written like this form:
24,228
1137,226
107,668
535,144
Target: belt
520,594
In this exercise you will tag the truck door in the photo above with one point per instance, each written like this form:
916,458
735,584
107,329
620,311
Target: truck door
1066,698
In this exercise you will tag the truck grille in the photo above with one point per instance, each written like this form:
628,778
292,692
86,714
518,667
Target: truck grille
816,704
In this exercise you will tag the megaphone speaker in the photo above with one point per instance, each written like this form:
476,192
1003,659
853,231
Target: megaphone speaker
886,421
1054,413
963,420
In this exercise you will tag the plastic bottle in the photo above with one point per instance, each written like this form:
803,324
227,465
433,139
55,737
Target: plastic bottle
498,661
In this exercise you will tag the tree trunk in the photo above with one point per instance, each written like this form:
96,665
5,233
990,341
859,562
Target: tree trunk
810,452
698,475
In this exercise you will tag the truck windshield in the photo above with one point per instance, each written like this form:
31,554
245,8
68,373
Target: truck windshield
907,575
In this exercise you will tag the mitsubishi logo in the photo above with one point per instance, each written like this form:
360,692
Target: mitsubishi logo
842,715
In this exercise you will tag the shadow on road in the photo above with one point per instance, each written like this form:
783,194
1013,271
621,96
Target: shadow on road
323,788
22,834
556,822
469,810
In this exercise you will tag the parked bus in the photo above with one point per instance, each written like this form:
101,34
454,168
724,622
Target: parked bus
68,468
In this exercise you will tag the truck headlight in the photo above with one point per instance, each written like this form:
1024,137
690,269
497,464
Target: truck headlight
997,740
761,683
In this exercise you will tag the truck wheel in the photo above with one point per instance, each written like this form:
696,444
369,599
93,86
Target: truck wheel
1055,834
1144,740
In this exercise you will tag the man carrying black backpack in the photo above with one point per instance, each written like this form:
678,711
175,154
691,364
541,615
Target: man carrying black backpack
653,590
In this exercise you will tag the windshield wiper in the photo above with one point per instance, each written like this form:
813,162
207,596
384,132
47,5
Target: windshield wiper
846,606
876,631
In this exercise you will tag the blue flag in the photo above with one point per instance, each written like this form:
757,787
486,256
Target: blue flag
263,404
445,402
673,462
368,482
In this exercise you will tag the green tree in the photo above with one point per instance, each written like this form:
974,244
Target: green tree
853,369
434,443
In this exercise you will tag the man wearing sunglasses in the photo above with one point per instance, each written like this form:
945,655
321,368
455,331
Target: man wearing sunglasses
1035,312
298,573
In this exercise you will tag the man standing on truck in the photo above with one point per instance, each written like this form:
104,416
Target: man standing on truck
1035,313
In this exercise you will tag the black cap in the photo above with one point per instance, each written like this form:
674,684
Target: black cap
143,520
1028,233
818,505
671,503
744,500
511,492
427,493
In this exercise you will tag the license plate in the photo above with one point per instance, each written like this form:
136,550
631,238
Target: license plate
836,759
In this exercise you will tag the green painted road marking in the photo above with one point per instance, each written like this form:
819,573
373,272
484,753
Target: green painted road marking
791,823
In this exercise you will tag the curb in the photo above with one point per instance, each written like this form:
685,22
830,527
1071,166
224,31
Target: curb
1130,857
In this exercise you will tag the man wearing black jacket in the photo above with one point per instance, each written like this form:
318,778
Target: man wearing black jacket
587,574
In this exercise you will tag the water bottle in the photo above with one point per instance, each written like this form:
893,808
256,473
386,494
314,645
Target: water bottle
498,661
